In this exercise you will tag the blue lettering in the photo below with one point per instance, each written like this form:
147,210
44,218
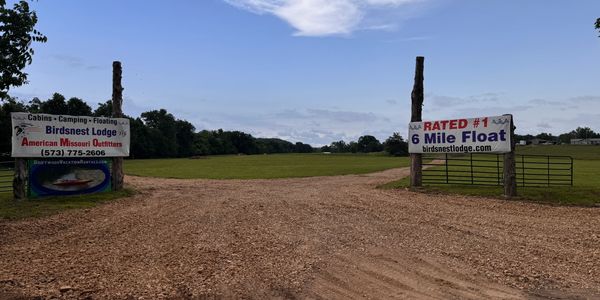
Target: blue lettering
430,138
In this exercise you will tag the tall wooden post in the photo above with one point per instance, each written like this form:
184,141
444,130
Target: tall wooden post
117,112
510,173
416,159
20,179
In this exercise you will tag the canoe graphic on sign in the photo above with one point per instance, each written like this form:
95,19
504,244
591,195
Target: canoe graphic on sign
68,177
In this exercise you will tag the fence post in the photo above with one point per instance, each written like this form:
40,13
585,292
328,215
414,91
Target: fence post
571,171
117,112
523,169
548,170
20,179
510,177
498,167
446,161
416,159
472,178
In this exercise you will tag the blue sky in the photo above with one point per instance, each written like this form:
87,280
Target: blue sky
323,70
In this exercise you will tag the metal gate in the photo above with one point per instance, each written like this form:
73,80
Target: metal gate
6,176
487,170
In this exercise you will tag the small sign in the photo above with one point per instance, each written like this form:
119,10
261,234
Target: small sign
475,135
51,177
43,135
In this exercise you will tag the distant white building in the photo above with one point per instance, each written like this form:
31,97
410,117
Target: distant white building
537,141
594,141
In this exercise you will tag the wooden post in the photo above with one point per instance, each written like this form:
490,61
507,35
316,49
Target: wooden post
20,179
510,169
416,159
117,112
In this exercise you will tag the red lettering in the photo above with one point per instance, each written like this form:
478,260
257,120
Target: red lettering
64,142
453,124
427,126
462,123
24,142
436,126
444,124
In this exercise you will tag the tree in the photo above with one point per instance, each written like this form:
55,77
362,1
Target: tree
142,145
185,138
35,105
8,106
584,133
546,136
163,131
352,147
565,138
368,143
55,105
17,32
339,147
395,145
598,23
104,109
78,107
300,147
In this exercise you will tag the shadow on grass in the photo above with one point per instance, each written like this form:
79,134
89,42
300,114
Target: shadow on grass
15,210
586,196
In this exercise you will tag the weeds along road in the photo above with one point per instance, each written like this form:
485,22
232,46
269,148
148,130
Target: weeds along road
322,237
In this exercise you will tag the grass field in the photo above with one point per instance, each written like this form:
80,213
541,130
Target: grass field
578,152
264,166
216,167
585,190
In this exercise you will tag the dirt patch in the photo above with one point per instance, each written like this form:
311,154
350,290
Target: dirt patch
322,237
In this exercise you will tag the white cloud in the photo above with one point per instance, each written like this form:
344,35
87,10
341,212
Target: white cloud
322,17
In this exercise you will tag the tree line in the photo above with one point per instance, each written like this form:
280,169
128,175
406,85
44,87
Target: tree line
159,134
564,138
393,145
154,134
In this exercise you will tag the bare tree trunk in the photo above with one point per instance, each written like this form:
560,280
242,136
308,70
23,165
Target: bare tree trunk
416,159
117,112
20,179
510,173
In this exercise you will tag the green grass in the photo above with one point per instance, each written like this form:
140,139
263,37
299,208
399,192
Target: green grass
14,210
583,152
263,166
584,192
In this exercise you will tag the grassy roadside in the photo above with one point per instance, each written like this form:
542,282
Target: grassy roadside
576,195
584,192
264,166
12,210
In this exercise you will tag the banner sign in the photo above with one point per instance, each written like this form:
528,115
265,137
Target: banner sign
476,135
50,177
42,135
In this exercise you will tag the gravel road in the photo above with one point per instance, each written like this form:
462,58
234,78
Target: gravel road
317,238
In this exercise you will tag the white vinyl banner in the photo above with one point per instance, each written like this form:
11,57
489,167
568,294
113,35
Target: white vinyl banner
475,135
42,135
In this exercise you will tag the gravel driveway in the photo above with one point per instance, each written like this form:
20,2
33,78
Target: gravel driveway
322,237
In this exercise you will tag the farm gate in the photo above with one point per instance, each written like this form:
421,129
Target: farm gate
6,176
487,169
